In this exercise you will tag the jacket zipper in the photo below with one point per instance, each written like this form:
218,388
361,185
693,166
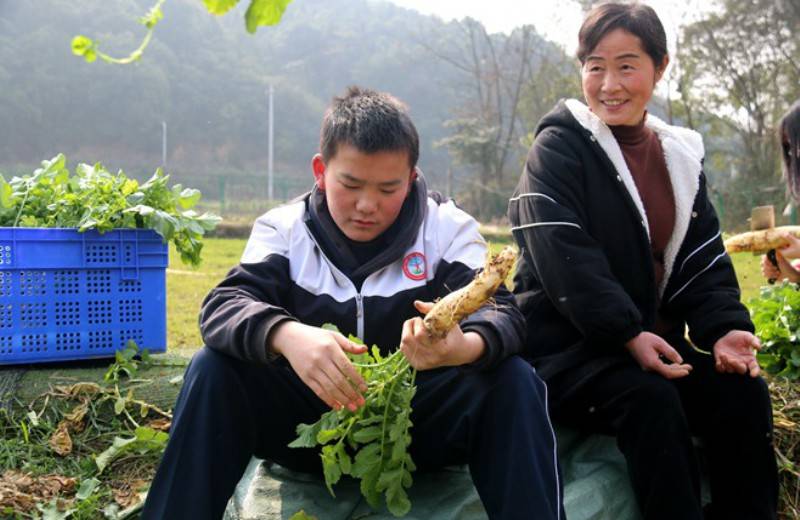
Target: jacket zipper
338,274
360,316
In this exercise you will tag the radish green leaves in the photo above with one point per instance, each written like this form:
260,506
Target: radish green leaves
370,444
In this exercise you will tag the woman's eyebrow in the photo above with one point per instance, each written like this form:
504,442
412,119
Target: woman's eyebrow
624,56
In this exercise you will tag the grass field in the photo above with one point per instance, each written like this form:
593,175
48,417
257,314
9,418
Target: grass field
748,271
187,287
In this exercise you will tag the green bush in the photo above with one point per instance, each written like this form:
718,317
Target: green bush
776,315
94,198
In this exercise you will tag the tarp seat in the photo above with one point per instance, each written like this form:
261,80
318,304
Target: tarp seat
595,476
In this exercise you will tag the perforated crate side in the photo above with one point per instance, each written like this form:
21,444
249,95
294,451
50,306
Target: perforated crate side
69,295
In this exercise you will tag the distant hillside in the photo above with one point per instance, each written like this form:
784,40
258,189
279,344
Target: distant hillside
207,78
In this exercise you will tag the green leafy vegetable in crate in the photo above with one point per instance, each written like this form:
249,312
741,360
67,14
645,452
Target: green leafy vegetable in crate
776,315
94,198
379,433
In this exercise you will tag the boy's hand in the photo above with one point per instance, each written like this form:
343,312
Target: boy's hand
317,356
650,351
423,353
735,353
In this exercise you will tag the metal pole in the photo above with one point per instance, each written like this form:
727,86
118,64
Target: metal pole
222,195
163,145
449,182
269,147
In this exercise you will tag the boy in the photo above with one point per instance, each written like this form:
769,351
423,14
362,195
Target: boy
364,248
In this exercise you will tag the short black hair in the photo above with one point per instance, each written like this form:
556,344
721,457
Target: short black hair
370,121
638,19
789,134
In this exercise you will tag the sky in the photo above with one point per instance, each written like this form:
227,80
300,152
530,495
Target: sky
557,20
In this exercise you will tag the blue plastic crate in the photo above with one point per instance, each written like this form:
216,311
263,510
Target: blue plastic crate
69,295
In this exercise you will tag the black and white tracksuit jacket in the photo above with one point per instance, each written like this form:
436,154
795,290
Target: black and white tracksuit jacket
289,271
585,282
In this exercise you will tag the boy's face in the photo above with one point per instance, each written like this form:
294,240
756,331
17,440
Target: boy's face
365,192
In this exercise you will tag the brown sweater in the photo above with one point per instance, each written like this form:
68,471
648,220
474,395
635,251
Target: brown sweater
645,159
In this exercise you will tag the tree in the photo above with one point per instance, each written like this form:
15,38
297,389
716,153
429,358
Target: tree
556,76
742,64
501,73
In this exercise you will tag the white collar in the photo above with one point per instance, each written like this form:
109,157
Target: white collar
683,153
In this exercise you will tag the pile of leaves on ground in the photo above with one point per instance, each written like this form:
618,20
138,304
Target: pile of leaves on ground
94,198
776,315
786,413
84,450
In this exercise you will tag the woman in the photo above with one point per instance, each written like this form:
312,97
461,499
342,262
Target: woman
789,132
621,251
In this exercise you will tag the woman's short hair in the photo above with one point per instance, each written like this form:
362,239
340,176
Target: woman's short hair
638,19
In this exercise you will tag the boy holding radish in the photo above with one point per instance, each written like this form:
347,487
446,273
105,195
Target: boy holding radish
362,250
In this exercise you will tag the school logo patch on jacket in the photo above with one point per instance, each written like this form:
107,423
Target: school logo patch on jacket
414,266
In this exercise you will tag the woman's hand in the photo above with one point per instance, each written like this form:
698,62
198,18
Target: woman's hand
423,353
318,357
650,351
735,353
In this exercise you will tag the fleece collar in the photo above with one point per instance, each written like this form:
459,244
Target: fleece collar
683,153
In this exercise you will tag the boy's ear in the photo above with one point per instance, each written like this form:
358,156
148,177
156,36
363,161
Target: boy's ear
318,167
412,177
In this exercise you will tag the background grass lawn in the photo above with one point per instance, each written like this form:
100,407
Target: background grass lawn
186,287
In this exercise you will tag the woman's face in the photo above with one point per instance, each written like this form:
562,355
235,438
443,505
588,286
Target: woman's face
618,78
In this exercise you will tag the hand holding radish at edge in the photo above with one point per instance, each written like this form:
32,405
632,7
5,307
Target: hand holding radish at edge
784,269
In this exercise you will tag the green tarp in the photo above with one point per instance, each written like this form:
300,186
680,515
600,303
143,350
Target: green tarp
597,488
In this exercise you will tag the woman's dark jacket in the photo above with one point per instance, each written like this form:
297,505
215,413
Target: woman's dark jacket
585,281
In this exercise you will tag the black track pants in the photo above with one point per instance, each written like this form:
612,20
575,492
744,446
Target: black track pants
654,419
229,410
